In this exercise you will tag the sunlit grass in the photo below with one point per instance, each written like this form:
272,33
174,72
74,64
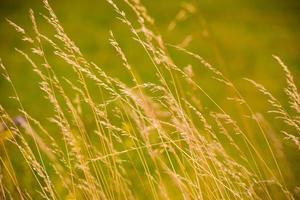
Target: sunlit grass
168,138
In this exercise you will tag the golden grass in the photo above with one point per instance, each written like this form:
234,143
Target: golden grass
147,140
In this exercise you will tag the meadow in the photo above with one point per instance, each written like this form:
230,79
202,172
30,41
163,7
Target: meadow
149,99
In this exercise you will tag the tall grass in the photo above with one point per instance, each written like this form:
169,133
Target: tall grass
166,139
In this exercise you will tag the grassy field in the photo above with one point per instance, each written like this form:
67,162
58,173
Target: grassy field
158,103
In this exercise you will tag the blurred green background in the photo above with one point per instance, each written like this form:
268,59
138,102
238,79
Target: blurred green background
238,37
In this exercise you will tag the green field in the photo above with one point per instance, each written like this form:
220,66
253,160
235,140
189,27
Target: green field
149,135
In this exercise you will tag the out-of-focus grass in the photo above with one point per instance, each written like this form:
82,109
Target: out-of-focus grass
238,37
